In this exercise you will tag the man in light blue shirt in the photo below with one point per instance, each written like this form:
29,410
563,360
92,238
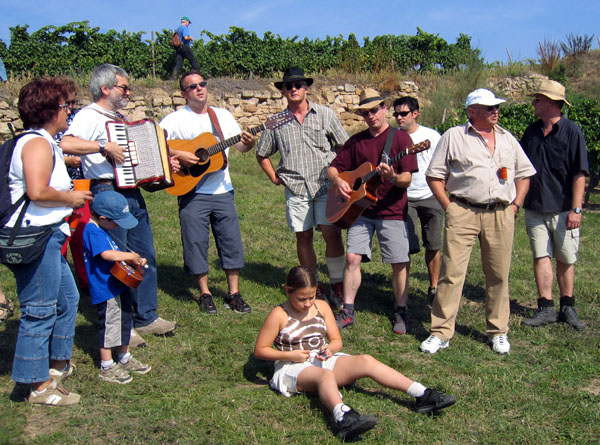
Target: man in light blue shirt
185,50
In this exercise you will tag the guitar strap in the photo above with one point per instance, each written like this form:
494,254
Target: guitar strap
385,155
215,123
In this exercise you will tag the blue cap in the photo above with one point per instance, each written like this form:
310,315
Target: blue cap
113,205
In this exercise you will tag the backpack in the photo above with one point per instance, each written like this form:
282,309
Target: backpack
6,152
176,40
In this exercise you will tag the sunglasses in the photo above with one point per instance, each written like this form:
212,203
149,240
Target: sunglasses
297,85
366,113
124,88
401,113
193,86
489,108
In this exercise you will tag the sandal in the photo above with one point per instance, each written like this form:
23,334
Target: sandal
6,310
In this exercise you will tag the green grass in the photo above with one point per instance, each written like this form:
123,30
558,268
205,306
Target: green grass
206,387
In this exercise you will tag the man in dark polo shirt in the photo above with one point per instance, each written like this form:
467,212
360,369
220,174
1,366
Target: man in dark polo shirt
387,216
556,147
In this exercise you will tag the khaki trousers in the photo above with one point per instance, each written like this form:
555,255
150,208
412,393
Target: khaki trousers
495,231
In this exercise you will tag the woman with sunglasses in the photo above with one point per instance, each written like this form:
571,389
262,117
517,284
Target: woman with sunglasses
47,293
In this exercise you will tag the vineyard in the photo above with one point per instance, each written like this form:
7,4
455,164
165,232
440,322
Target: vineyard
76,48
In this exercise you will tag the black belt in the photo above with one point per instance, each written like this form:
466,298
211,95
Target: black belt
103,181
490,206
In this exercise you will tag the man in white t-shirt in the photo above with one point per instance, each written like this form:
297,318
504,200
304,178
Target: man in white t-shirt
87,137
210,205
422,205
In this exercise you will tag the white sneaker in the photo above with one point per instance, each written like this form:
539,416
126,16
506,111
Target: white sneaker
433,344
500,344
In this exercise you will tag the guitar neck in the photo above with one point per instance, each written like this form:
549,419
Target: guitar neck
222,146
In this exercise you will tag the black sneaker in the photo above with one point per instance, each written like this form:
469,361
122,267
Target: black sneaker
568,315
343,319
321,295
236,303
353,424
542,317
432,401
400,321
207,304
336,296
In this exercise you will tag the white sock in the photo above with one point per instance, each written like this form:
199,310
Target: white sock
339,410
416,390
124,358
335,267
106,364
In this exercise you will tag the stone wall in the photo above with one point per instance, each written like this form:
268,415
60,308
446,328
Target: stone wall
252,102
250,107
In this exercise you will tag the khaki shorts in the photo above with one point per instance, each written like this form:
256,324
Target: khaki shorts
303,213
392,236
549,236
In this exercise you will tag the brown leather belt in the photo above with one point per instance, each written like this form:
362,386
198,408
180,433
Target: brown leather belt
490,206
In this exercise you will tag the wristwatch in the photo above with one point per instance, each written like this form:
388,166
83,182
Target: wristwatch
102,147
576,210
394,179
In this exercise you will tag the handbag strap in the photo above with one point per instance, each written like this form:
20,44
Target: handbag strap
15,230
215,123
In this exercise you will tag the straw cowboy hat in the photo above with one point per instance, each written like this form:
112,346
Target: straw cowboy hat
293,74
369,98
552,90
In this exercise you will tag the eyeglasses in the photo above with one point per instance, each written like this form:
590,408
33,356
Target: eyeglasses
288,86
375,110
193,86
402,113
66,105
124,88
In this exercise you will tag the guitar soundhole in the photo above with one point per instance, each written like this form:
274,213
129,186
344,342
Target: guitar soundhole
357,184
202,155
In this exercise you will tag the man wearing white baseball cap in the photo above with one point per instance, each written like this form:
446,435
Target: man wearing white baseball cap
556,147
486,173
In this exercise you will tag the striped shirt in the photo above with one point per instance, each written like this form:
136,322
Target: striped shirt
306,335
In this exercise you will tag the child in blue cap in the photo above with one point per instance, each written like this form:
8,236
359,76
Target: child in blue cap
110,296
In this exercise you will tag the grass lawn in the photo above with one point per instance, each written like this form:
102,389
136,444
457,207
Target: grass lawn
206,386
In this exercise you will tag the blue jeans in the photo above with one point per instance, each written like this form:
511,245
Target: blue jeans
49,299
139,240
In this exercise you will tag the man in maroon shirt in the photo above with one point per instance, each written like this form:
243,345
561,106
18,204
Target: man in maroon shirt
386,216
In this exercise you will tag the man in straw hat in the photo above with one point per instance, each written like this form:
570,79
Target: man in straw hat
556,147
307,147
486,173
387,216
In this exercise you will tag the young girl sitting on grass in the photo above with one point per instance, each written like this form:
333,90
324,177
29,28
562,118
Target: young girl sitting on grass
302,338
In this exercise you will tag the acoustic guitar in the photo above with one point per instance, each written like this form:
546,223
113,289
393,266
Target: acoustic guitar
127,274
211,154
344,212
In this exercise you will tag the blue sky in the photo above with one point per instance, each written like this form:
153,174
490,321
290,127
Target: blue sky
493,26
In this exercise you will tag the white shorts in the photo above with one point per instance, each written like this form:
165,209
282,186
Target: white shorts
286,373
304,213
